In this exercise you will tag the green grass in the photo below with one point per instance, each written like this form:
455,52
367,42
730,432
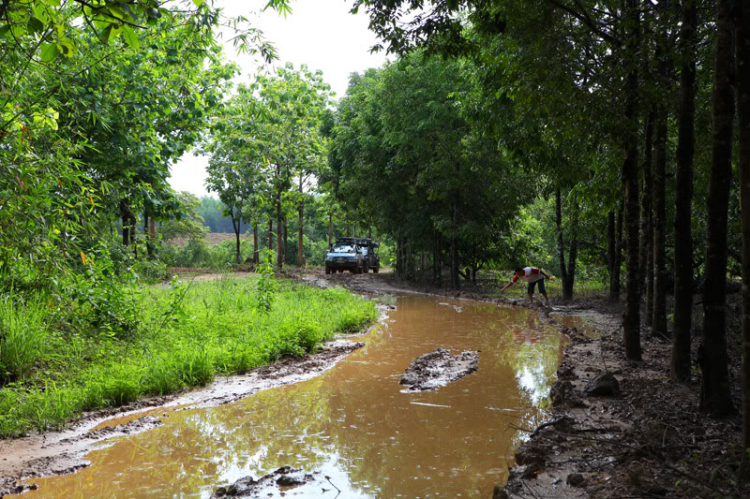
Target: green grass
185,336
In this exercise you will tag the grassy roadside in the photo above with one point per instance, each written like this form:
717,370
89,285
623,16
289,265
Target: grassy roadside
184,335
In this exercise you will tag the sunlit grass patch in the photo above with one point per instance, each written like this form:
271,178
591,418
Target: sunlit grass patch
188,333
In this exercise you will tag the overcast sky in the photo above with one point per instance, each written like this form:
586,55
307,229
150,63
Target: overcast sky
319,33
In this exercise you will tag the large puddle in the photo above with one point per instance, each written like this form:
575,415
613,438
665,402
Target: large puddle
353,423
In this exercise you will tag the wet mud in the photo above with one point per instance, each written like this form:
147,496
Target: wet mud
64,452
284,482
643,436
435,369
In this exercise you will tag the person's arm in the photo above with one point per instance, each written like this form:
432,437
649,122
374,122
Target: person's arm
511,283
551,278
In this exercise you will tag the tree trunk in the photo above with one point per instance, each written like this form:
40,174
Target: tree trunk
631,322
614,294
743,106
570,274
237,225
659,322
400,256
683,238
127,222
715,393
455,281
348,228
279,232
286,240
270,232
330,229
152,235
611,245
560,241
300,245
147,233
256,250
647,270
437,259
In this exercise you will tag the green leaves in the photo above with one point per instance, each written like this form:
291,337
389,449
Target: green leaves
131,38
49,52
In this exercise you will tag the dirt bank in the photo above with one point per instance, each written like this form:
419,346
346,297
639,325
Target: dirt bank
62,452
646,438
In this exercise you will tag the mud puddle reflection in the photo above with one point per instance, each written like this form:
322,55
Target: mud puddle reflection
354,424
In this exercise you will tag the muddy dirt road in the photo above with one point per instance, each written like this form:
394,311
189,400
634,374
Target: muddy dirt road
353,423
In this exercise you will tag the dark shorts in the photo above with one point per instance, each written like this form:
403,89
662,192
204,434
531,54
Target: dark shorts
541,286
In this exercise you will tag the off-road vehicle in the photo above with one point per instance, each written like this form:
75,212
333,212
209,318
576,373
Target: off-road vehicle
345,255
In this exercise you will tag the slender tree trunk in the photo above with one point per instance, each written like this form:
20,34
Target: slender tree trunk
611,245
560,241
279,232
570,280
348,228
646,257
300,246
743,114
125,215
455,277
270,232
631,322
256,250
683,238
437,259
147,233
619,246
400,256
237,225
409,260
715,392
659,322
286,240
330,229
152,235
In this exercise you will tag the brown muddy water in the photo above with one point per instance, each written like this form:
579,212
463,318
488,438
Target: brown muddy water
353,423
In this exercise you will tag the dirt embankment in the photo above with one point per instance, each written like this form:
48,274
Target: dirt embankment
617,428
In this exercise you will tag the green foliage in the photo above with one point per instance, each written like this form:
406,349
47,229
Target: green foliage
22,333
265,290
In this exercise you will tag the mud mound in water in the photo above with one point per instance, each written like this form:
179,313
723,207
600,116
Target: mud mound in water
282,481
435,369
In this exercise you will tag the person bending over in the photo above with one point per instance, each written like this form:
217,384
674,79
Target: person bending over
532,276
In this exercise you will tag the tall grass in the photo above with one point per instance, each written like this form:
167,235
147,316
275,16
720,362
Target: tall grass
188,335
22,335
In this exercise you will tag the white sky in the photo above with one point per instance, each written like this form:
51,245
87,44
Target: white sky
319,33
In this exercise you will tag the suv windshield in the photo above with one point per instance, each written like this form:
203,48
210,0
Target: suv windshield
343,248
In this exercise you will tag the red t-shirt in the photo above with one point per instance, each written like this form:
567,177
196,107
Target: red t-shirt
531,274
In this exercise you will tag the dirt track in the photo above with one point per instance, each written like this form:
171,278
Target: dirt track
647,441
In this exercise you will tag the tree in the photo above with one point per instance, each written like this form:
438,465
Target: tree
715,393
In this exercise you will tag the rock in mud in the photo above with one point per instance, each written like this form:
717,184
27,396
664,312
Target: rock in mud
604,385
435,369
280,481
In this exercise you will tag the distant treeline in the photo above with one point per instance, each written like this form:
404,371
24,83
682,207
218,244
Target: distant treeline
211,210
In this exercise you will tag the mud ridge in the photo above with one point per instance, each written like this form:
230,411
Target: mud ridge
438,368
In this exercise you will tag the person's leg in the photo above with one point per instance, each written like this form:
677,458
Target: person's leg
530,290
543,291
